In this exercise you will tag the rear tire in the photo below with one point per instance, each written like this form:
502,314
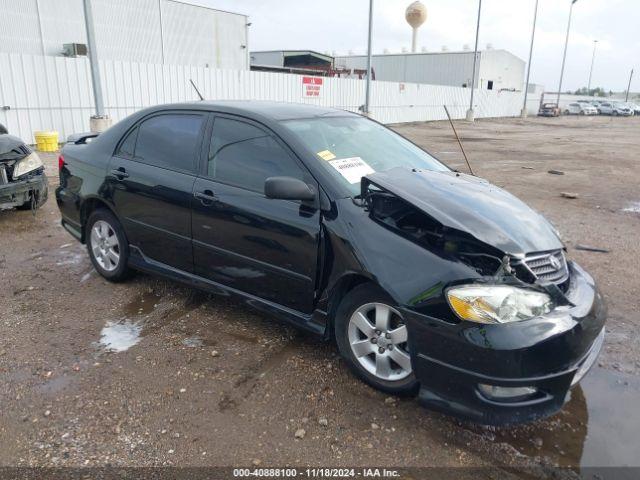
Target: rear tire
372,338
107,245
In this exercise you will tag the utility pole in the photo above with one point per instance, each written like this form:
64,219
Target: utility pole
593,59
470,113
626,98
564,55
98,122
533,36
367,100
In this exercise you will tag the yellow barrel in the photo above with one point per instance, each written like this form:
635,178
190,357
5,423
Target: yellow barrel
46,141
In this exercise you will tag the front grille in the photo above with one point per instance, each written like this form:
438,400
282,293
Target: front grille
548,267
4,179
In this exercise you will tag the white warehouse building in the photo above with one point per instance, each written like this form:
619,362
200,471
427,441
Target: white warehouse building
495,70
142,31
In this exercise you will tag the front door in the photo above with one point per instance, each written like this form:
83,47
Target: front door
261,246
151,181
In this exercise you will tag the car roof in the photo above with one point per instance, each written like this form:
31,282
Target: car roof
259,109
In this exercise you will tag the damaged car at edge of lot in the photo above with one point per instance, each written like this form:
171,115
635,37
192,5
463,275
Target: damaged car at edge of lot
23,183
429,280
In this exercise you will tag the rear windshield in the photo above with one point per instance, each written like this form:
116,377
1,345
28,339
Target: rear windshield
352,147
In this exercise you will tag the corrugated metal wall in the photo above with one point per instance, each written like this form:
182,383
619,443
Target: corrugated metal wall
504,69
43,93
451,68
145,31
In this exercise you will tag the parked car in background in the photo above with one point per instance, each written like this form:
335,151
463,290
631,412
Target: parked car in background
428,280
581,109
635,107
23,183
615,108
549,110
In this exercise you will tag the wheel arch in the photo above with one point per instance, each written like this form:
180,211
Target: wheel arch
88,206
345,284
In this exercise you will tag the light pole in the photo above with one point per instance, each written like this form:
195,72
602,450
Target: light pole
564,55
470,113
100,121
533,36
593,59
626,98
93,58
367,99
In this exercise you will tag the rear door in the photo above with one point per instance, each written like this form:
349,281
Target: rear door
151,178
261,246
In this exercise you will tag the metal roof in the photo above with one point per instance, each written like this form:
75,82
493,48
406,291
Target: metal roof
196,4
288,53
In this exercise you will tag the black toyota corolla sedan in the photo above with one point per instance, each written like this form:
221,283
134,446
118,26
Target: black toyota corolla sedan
429,280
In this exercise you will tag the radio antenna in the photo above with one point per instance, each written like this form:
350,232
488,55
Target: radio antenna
196,89
464,154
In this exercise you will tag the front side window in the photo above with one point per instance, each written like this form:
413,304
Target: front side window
170,141
244,155
352,147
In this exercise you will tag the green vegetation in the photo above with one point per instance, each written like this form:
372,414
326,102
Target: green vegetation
594,92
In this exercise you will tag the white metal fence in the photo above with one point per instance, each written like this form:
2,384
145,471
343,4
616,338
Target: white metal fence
55,93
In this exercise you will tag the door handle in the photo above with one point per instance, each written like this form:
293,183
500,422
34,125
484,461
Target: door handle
120,173
206,196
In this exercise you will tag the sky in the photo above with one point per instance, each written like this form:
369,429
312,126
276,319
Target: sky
341,26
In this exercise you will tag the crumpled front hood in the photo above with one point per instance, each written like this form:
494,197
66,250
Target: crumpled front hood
473,205
12,148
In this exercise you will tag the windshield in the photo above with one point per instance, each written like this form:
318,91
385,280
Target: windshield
352,147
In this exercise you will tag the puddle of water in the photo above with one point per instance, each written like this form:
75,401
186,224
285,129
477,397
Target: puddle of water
598,427
87,276
55,385
144,304
193,342
71,258
120,336
632,208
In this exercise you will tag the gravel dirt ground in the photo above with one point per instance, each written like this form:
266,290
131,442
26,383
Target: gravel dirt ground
208,382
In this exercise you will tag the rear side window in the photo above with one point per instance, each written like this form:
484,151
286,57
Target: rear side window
170,141
245,156
128,146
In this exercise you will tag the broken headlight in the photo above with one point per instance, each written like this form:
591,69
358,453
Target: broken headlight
28,164
497,303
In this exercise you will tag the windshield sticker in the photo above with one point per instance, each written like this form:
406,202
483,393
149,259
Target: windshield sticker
352,169
326,155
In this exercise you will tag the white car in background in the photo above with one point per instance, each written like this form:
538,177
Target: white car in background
615,109
635,107
580,109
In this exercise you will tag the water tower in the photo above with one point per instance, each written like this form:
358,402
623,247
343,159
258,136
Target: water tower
416,15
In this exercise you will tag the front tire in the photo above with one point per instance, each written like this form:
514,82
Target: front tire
373,339
107,245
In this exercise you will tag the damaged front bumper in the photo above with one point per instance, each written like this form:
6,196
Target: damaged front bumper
22,192
541,358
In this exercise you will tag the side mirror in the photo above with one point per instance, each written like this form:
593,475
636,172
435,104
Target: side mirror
287,188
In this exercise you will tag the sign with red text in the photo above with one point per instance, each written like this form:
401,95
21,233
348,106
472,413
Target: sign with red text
312,87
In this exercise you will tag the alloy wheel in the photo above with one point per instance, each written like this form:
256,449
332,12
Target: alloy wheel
105,245
378,340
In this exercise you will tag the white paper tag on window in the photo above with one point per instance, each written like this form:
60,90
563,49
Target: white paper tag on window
352,169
